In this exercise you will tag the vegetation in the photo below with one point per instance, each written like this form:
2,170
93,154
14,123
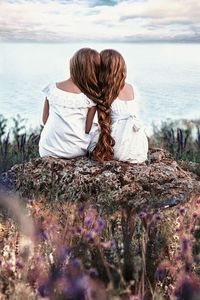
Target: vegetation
63,250
180,138
16,144
77,254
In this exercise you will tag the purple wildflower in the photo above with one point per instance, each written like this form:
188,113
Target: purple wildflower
142,214
44,290
81,209
44,235
163,270
78,230
75,290
88,221
89,237
93,273
100,225
75,263
185,244
182,210
158,217
160,274
188,288
19,264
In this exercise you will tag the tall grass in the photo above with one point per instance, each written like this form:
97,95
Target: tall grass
180,138
76,253
16,144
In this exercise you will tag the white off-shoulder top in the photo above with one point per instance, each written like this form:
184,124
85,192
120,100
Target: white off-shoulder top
64,132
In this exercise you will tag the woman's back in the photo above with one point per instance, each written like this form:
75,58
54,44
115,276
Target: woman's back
126,128
64,132
68,108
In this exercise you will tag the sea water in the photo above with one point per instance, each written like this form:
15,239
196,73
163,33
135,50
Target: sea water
166,75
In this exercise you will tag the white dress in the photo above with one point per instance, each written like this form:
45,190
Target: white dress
64,132
131,142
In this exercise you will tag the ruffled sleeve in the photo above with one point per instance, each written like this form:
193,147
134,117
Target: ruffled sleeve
64,99
47,90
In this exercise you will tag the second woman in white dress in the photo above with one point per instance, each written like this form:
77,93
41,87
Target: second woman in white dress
122,134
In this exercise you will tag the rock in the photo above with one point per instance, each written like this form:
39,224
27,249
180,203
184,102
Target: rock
158,183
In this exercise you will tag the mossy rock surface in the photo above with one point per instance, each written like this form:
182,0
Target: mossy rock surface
160,182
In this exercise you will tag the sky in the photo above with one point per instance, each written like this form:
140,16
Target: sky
100,20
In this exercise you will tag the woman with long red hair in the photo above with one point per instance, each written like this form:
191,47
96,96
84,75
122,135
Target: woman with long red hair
69,106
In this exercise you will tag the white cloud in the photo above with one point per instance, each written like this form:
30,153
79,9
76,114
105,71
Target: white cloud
75,20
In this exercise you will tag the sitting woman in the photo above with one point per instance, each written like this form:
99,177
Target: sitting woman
122,135
68,105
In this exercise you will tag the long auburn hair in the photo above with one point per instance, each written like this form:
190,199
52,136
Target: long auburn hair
100,77
84,72
112,77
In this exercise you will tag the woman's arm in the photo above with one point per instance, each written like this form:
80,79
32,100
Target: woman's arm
45,114
89,119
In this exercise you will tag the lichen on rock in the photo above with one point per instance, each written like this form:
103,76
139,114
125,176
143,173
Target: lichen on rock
160,182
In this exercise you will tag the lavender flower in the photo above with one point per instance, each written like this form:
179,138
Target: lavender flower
89,237
99,225
185,245
188,288
93,273
182,210
88,221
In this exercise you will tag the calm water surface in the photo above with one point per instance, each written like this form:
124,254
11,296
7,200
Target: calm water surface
166,75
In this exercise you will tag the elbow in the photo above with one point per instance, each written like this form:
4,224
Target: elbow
87,128
44,119
87,131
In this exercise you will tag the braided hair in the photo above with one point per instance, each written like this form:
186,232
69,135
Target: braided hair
111,81
100,77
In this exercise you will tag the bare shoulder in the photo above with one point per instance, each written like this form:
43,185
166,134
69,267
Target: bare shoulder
61,84
127,93
68,86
